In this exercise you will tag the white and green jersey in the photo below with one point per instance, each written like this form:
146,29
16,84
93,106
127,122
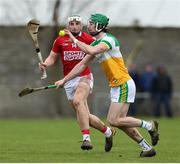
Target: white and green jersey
112,61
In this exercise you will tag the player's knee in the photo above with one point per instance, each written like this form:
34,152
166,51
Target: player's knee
115,122
120,122
111,121
77,102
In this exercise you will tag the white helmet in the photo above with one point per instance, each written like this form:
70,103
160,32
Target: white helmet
74,18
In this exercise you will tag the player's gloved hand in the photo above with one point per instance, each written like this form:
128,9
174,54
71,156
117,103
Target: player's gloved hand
59,83
42,66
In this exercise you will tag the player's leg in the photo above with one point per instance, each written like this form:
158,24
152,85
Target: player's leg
81,95
76,99
96,123
133,133
86,141
121,96
117,117
93,120
130,122
147,149
79,99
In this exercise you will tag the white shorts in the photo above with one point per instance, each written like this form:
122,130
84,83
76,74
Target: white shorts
71,85
124,93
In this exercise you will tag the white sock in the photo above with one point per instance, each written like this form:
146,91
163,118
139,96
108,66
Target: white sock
86,137
147,125
144,145
108,132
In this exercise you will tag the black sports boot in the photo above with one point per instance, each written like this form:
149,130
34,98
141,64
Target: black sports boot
109,140
154,133
148,153
86,145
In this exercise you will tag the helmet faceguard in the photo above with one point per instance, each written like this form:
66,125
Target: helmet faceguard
100,21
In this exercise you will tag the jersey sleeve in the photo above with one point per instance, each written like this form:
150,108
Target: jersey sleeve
55,47
110,41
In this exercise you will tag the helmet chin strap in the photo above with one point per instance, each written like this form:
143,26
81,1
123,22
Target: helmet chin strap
97,30
95,33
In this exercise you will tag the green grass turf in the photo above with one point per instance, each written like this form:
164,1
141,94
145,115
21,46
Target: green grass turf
58,141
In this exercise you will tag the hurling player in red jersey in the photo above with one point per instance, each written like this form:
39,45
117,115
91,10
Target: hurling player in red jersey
78,89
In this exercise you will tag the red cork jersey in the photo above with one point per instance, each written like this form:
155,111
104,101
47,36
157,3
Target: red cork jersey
70,53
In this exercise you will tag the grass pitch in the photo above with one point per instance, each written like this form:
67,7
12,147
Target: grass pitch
58,141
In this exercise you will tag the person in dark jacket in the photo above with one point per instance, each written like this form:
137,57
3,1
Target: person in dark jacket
162,91
146,78
133,72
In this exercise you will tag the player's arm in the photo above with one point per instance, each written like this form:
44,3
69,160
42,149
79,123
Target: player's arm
50,60
88,49
92,50
76,70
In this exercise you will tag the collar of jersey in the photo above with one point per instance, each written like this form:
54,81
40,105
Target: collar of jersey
79,34
102,36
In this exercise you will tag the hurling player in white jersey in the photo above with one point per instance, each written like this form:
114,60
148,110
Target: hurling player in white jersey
78,88
107,49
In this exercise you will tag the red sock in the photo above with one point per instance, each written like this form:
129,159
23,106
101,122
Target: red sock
104,129
86,134
85,131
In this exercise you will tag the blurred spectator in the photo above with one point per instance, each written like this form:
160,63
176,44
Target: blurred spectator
136,77
146,78
162,91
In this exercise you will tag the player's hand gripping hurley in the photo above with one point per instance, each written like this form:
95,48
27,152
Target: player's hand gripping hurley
33,26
